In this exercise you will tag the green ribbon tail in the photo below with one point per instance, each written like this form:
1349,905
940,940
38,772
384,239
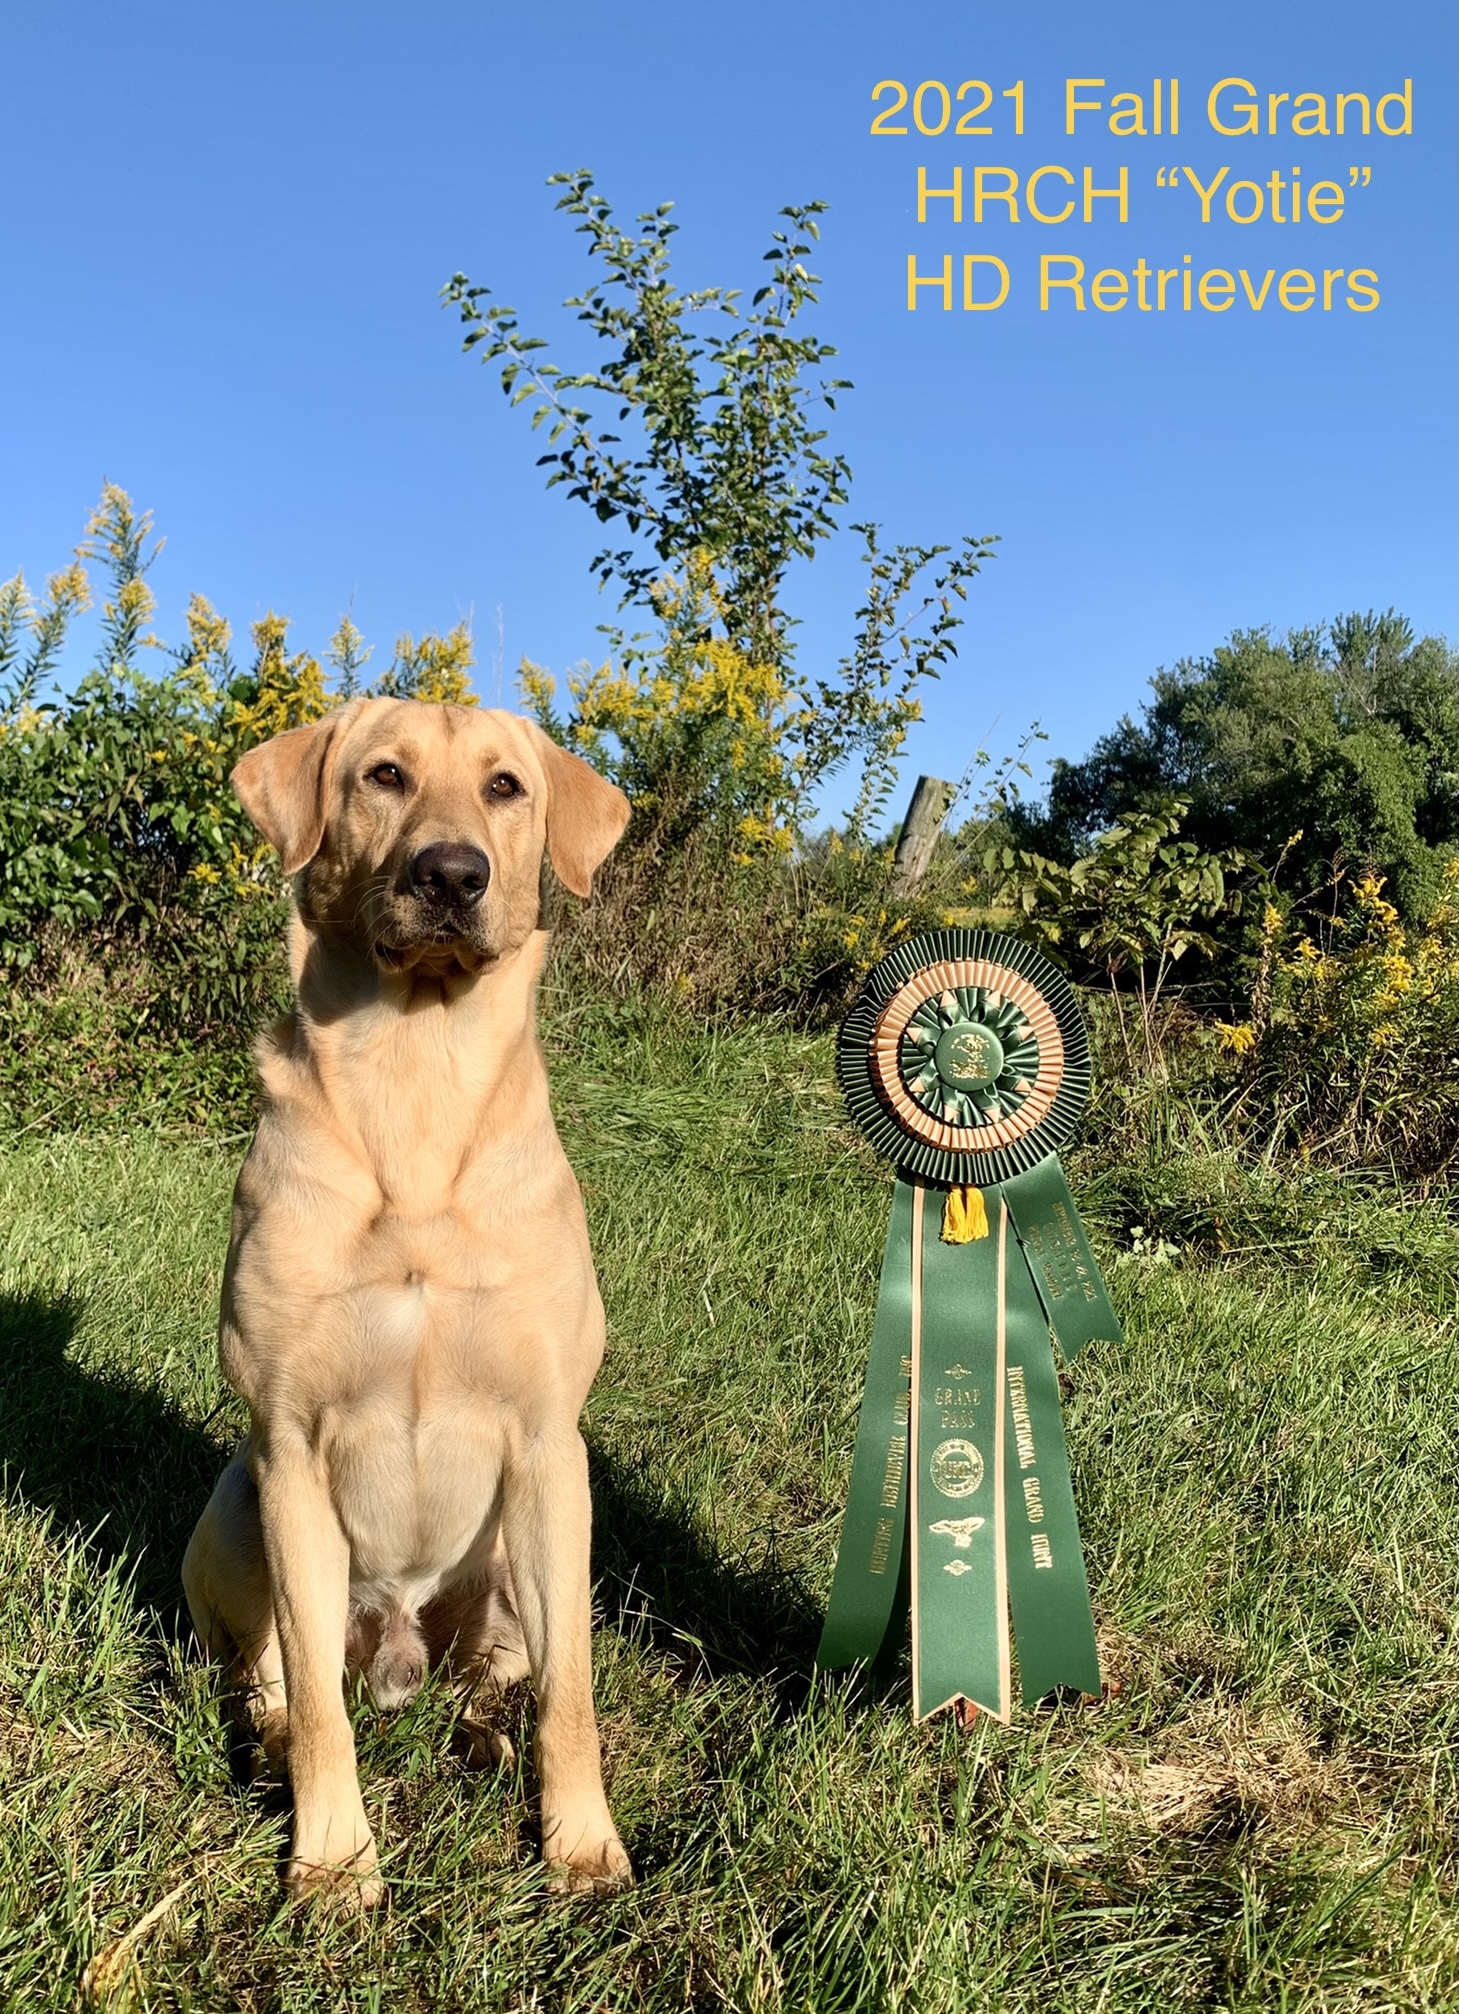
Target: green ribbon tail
961,1497
869,1591
960,1647
1048,1586
1065,1271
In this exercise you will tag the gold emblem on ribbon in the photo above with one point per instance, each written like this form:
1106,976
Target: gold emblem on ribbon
957,1468
959,1529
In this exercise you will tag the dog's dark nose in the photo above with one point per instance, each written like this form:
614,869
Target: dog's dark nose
447,873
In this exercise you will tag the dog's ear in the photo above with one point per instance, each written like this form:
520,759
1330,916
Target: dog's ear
586,815
283,786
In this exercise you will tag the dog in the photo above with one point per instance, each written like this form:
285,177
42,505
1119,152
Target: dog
409,1305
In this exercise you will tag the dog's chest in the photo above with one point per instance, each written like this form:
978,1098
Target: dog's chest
415,1458
423,1319
419,1388
419,1346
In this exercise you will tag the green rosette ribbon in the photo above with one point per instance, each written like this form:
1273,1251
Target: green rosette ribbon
966,1062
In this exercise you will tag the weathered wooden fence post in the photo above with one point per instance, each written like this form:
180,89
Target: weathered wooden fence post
930,801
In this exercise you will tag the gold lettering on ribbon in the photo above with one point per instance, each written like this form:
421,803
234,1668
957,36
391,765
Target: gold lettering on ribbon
891,1482
971,1055
891,1485
1000,1518
1043,1552
1072,1256
1061,1263
1022,1424
956,1468
958,1404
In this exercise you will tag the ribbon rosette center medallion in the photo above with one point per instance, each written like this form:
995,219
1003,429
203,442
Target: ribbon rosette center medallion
966,1063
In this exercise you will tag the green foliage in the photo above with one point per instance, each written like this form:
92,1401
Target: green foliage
434,670
1352,1048
33,634
694,731
1334,751
1130,909
725,483
114,807
900,640
730,460
102,1034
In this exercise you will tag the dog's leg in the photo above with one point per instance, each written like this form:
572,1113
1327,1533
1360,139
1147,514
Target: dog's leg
309,1568
225,1576
546,1521
476,1631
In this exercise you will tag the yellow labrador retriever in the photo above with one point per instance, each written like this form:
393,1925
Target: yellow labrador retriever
409,1306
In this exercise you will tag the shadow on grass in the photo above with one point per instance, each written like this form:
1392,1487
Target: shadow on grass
112,1459
117,1462
662,1583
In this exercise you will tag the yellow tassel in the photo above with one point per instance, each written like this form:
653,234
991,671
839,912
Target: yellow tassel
964,1217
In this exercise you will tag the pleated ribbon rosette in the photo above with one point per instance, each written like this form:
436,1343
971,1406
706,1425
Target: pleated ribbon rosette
965,1061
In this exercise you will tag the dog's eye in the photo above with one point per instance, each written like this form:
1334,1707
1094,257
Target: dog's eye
387,776
503,785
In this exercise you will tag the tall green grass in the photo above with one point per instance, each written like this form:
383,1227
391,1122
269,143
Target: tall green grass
1260,1815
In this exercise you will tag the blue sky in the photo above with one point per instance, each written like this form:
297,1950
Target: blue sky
229,226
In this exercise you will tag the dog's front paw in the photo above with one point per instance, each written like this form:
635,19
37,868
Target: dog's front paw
601,1869
347,1888
337,1864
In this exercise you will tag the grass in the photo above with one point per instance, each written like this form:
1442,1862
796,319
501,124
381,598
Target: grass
1260,1816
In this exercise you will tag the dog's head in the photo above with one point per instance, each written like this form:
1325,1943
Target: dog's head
421,829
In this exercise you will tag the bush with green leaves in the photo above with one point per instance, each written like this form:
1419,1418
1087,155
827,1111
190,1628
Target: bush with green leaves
1329,754
115,812
1351,1048
1127,911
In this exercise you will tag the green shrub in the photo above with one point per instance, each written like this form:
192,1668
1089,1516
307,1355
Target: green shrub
1333,752
1352,1048
95,1041
1128,910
